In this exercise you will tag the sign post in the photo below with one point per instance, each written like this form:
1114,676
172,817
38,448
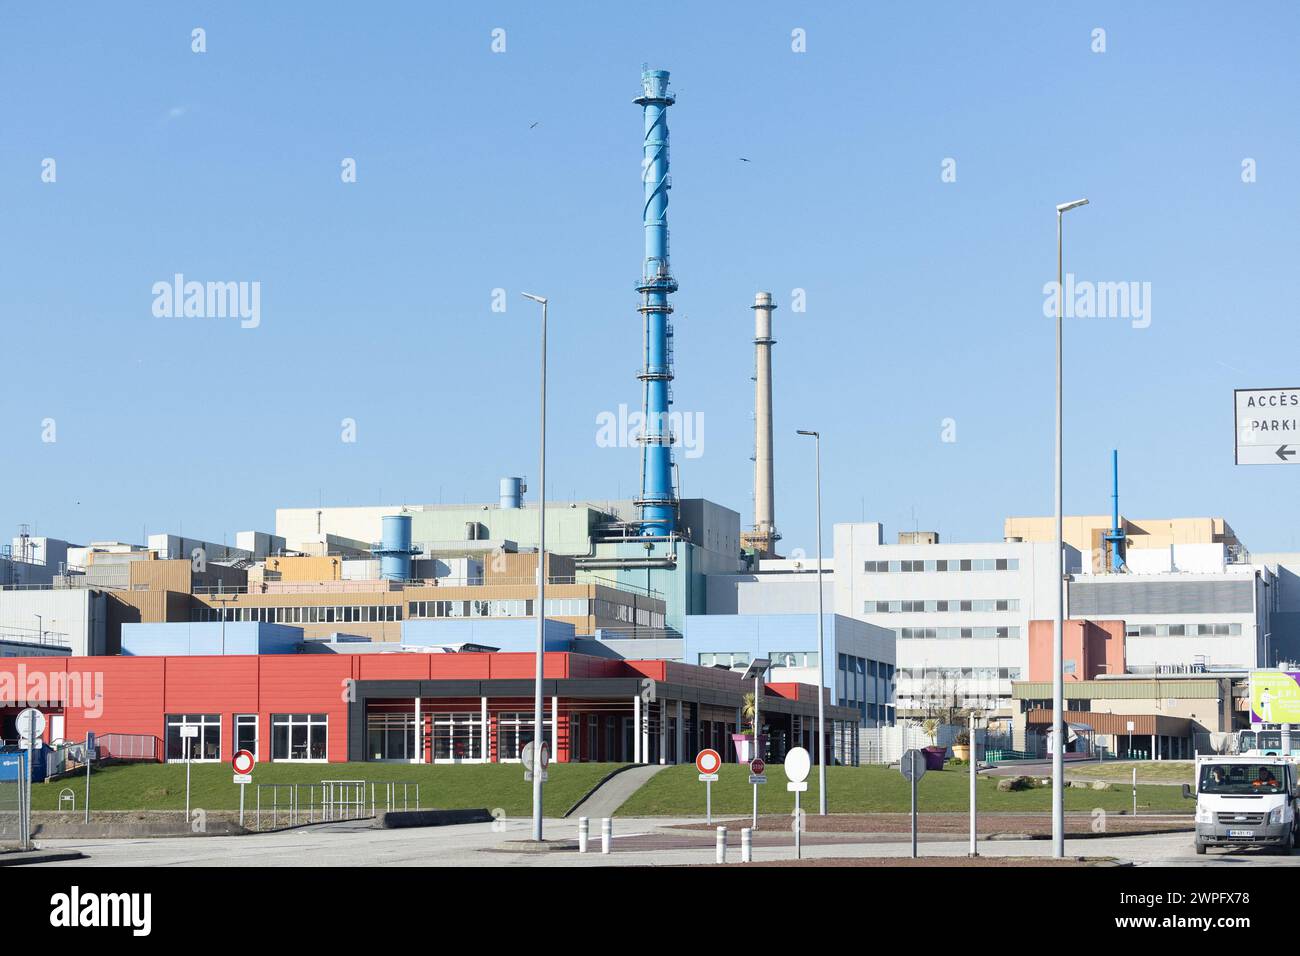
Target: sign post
1267,423
912,766
757,776
797,764
90,756
31,724
242,763
188,733
707,762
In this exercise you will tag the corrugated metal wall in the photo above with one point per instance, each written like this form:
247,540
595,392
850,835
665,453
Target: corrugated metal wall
1096,599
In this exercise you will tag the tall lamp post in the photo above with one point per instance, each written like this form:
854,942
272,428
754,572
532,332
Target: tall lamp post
821,655
1058,622
541,595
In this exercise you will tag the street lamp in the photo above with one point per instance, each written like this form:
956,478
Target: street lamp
1058,622
821,657
757,668
541,595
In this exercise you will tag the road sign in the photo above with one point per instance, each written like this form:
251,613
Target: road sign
526,758
797,764
31,723
799,787
243,763
1267,423
707,762
756,766
757,778
912,765
189,730
243,778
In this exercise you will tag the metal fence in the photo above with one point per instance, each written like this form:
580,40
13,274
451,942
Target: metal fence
127,747
294,804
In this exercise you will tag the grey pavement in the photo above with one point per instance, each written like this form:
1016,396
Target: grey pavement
614,793
476,845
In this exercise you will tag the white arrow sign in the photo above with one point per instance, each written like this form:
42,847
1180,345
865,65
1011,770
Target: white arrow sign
1267,422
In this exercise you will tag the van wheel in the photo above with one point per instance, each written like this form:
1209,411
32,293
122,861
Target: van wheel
1288,845
1200,848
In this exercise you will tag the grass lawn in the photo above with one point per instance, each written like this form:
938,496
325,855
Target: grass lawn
677,791
155,786
1169,771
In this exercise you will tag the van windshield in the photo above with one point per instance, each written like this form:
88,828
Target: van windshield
1242,778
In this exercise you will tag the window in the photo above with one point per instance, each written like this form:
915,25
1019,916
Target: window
730,659
246,733
794,658
299,736
206,746
513,731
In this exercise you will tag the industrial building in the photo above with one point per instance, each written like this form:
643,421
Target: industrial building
472,707
908,627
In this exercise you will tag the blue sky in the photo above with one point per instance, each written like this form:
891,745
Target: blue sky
924,298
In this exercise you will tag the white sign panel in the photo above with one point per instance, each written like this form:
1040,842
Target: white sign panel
1267,423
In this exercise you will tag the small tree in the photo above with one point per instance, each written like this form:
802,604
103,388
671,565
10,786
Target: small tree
747,711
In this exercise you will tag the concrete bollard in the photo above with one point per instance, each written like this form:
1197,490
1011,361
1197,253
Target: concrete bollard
747,845
606,834
722,845
583,830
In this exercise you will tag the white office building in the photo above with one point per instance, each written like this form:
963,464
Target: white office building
960,612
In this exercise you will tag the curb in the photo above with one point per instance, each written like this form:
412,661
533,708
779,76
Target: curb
27,857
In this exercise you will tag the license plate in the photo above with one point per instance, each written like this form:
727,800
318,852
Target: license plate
1241,833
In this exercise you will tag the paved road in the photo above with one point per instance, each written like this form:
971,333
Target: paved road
473,845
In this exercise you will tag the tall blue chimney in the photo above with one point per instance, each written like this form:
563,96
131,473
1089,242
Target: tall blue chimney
658,500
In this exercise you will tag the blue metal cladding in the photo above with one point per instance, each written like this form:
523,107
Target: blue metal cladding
658,501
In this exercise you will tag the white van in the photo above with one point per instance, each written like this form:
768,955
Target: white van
1246,801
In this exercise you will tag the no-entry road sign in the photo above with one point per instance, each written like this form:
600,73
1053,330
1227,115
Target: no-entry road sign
243,763
1267,424
707,762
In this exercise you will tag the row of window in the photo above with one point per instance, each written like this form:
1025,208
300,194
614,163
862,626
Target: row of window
293,736
952,633
865,685
963,673
1183,630
311,614
941,607
456,736
951,564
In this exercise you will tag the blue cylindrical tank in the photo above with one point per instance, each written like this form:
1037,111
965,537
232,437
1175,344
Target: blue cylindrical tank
512,493
395,549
